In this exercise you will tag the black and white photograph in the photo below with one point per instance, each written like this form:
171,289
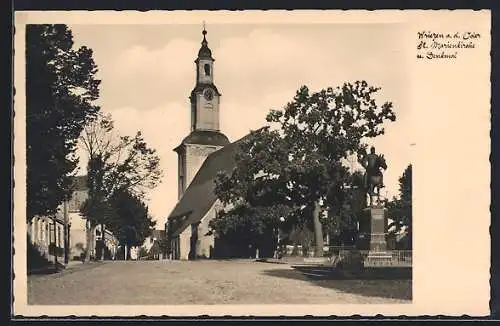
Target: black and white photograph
251,159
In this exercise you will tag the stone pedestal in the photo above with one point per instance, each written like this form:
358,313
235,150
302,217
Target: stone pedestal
378,255
377,228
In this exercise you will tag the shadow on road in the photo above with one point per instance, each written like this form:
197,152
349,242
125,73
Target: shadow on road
378,273
43,271
63,271
394,283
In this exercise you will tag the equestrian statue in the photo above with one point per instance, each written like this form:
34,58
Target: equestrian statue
373,178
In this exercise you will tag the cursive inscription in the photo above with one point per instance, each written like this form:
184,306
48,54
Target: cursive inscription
432,45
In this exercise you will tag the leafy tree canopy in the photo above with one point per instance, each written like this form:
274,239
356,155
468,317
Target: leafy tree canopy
61,89
399,209
117,164
132,224
295,164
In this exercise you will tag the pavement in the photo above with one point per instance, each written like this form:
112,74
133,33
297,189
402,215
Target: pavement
208,282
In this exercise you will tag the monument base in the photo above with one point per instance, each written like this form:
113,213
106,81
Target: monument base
378,259
316,260
378,242
373,229
378,255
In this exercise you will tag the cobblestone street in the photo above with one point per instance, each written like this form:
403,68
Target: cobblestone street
206,282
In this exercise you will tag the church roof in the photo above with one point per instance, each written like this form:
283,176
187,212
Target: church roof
199,196
204,51
205,137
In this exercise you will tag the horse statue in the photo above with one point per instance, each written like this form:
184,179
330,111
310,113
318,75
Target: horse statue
373,177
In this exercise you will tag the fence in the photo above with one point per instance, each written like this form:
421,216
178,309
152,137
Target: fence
394,258
310,252
332,254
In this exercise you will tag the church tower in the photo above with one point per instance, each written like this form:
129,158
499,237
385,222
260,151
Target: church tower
205,137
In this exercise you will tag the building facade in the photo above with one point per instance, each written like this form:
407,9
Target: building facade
47,235
202,155
68,228
205,136
198,164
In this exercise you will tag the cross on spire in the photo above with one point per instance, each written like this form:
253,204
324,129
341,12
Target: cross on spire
204,34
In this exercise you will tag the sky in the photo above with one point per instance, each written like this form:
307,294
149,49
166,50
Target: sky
148,72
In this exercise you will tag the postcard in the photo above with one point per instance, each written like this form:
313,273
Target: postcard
252,163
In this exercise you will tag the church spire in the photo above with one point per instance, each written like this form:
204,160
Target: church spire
204,34
205,52
205,97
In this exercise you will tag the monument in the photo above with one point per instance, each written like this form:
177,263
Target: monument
374,229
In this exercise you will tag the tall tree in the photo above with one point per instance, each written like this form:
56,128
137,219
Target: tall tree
117,164
132,223
296,167
342,221
126,163
400,208
61,89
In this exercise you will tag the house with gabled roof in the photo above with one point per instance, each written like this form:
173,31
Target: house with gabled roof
78,241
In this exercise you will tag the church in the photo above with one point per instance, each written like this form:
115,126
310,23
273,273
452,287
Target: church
204,153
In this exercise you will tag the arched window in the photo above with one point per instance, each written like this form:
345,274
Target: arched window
207,69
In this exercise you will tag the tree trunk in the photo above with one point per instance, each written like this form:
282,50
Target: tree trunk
103,232
55,241
125,252
318,230
410,237
88,231
66,233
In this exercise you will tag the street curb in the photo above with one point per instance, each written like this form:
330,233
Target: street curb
292,264
43,271
47,270
53,272
271,262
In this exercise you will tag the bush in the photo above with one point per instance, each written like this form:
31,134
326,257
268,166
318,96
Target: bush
142,253
34,258
352,261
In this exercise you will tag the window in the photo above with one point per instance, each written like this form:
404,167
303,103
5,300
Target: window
40,230
207,69
59,234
